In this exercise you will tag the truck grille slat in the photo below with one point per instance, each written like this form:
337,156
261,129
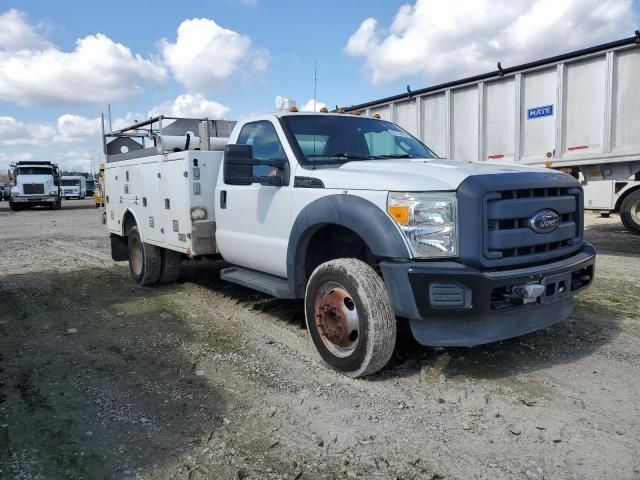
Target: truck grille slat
33,188
507,215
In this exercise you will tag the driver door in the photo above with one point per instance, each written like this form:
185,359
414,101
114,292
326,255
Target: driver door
253,221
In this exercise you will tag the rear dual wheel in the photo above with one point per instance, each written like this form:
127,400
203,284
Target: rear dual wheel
150,265
349,317
630,212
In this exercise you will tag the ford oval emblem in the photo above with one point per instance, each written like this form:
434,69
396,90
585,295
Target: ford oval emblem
544,221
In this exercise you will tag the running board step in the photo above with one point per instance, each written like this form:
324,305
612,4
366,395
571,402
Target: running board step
263,282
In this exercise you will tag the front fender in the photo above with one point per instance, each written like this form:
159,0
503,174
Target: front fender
355,213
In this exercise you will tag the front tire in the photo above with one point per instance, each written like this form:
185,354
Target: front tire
630,212
349,317
14,206
145,260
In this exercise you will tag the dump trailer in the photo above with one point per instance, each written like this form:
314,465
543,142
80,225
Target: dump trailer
576,112
35,183
358,218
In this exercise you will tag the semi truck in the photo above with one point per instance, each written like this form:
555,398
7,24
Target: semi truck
34,183
575,112
359,219
74,186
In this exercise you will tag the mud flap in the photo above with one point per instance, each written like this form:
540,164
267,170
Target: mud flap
119,251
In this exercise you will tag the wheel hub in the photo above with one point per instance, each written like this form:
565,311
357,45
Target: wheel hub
336,319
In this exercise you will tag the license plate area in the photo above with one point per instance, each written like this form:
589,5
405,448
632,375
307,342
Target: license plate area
557,287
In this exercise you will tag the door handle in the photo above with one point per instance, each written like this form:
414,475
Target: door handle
223,199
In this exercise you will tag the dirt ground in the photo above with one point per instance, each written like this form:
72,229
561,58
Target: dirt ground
100,378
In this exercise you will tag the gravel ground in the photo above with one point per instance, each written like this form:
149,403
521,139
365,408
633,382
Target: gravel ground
100,378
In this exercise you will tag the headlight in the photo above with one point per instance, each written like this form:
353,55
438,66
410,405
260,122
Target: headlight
428,220
53,192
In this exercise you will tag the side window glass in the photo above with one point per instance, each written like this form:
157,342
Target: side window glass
262,136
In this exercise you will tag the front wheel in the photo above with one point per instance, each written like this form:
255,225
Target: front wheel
349,317
630,212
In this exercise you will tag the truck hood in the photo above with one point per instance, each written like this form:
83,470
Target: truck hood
409,174
46,180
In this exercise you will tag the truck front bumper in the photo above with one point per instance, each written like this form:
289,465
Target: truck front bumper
34,199
450,304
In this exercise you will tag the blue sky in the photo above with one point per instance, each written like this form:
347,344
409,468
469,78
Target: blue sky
364,51
295,32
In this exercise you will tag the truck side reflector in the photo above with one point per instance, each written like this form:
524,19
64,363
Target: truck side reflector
400,213
496,156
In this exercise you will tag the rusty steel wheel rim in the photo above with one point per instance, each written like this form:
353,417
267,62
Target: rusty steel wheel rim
136,256
336,319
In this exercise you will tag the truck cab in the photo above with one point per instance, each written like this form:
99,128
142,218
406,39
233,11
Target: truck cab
362,221
35,183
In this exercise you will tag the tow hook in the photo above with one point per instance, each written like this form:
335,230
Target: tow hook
528,293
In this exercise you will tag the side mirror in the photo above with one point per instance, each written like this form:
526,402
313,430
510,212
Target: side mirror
239,163
10,174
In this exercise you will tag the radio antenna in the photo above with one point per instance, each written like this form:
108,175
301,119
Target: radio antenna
315,83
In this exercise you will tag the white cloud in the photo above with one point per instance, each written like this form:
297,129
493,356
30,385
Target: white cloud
191,106
17,34
205,54
14,132
441,39
7,159
75,128
78,161
97,70
308,107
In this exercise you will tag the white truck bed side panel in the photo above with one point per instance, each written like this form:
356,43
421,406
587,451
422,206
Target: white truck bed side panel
499,112
584,102
626,104
538,134
434,125
464,123
406,116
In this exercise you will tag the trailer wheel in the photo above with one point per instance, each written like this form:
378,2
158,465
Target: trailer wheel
349,317
170,266
630,212
144,260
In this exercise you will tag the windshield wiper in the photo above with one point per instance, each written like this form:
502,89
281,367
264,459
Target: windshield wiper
348,155
394,155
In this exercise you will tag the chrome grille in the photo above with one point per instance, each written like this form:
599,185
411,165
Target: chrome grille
507,215
33,188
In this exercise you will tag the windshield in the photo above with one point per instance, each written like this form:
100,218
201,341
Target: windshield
70,182
323,139
34,171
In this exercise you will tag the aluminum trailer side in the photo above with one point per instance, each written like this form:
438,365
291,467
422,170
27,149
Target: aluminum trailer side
577,112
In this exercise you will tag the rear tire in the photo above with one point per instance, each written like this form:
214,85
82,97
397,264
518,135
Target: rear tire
630,212
349,317
145,261
170,270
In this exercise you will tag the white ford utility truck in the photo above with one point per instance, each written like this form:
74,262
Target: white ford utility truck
34,183
358,218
